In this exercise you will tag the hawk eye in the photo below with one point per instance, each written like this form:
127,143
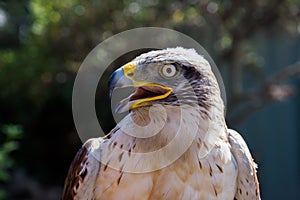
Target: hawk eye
169,70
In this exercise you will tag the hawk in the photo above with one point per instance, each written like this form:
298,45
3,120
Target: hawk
173,144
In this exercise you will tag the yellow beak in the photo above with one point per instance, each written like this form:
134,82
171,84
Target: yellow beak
145,93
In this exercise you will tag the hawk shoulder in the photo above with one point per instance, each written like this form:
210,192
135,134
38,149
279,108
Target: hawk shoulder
247,182
83,171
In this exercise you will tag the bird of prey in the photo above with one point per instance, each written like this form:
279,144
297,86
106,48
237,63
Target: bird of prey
173,144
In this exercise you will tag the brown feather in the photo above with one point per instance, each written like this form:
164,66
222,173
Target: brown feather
75,178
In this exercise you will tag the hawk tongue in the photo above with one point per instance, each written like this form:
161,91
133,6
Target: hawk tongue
147,92
143,92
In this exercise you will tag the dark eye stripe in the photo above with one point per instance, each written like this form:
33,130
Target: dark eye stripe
175,65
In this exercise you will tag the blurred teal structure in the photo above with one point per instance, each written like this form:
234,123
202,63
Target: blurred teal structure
273,133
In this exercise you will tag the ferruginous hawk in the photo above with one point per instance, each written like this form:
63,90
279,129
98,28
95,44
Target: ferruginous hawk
173,144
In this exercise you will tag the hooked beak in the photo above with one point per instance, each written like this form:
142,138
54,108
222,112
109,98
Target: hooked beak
145,92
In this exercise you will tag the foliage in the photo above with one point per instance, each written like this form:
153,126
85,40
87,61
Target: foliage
12,133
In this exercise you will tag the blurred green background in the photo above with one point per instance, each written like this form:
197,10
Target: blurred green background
255,44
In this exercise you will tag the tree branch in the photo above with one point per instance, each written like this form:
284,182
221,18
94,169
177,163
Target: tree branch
273,90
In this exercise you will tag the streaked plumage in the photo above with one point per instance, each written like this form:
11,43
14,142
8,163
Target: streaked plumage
217,163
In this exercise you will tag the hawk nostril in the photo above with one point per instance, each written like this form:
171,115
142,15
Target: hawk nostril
130,74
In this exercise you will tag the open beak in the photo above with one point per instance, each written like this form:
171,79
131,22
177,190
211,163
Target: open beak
145,92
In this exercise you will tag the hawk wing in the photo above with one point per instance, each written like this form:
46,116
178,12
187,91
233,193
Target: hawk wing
83,171
247,182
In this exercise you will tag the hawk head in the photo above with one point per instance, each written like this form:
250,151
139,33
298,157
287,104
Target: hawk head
173,76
